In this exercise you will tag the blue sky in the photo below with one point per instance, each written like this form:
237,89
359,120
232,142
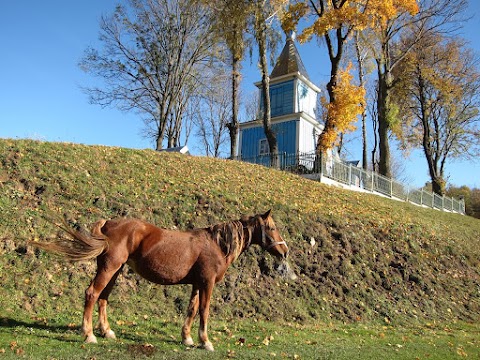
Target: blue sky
40,97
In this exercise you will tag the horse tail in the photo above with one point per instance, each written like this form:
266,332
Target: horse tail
79,245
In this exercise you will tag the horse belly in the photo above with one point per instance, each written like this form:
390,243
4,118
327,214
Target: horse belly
164,266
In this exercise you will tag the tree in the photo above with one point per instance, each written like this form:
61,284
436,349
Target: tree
264,12
361,78
231,22
433,15
334,21
470,196
439,100
386,31
152,57
211,115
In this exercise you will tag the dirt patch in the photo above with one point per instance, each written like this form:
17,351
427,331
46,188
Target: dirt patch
141,349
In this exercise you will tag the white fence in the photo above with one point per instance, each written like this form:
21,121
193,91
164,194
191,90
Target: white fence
348,175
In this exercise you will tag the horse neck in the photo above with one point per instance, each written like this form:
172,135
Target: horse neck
233,238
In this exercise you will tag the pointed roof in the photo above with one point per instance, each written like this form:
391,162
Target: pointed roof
289,60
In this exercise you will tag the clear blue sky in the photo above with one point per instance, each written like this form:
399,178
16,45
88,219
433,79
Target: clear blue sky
40,97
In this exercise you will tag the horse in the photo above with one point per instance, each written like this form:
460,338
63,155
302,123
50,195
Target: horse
199,257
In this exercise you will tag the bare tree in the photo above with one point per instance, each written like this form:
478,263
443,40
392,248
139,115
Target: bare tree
251,105
212,116
151,61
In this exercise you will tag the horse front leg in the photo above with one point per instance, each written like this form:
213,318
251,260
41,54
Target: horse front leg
191,313
204,299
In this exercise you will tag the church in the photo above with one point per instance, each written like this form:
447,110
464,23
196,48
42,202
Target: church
293,99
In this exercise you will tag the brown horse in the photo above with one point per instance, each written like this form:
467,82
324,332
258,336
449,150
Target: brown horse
199,257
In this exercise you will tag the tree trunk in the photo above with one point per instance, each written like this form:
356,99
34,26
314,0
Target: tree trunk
438,186
159,143
383,124
267,126
364,113
160,135
436,175
234,126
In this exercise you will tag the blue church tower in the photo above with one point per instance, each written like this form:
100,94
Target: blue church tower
293,107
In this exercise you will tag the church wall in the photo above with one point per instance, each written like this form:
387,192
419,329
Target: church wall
306,99
308,137
286,138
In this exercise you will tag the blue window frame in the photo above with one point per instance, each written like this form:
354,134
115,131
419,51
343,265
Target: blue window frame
263,147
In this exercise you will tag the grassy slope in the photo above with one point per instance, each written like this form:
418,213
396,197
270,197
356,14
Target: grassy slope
373,259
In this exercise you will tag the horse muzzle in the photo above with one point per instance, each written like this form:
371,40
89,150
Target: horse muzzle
277,244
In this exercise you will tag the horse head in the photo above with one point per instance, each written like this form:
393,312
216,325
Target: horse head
268,237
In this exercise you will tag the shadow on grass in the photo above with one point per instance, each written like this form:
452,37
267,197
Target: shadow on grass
36,325
41,329
59,332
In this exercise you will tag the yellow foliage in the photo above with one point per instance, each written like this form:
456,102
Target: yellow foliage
343,112
359,14
330,15
291,17
379,12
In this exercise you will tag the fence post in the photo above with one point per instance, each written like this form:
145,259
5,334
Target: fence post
318,162
349,174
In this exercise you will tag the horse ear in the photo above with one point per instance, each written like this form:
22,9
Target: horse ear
267,214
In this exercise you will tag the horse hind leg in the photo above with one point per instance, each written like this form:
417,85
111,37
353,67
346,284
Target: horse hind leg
102,279
87,328
103,323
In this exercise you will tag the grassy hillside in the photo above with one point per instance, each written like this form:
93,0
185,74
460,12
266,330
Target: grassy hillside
358,257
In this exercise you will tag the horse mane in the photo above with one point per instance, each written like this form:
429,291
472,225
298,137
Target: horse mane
230,236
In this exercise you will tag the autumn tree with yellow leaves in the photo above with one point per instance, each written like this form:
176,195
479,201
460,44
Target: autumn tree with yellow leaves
408,28
439,101
334,21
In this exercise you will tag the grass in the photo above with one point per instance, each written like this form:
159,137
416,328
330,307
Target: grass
375,277
155,339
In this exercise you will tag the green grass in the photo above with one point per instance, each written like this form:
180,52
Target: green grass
235,339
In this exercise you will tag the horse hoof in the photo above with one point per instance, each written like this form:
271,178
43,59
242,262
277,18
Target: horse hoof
91,339
188,341
208,346
109,334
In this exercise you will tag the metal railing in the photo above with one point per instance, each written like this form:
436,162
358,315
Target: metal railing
356,178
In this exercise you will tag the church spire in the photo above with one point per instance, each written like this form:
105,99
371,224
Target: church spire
289,60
